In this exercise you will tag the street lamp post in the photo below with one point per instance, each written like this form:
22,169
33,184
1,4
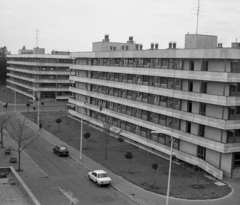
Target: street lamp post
81,140
38,115
169,174
80,149
15,99
170,167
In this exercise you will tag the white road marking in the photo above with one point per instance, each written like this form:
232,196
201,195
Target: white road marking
69,195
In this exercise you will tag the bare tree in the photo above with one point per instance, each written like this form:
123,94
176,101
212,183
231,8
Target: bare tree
28,105
86,136
19,131
121,140
42,103
58,120
3,120
129,156
155,166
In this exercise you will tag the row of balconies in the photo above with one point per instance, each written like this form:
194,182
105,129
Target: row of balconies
192,96
168,111
180,74
147,125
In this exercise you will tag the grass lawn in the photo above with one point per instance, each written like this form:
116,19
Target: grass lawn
139,171
6,95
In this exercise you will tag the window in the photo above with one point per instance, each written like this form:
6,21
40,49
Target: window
178,84
164,62
110,47
201,152
126,47
122,47
203,87
189,107
170,83
201,131
237,159
190,86
234,66
163,81
202,109
204,65
191,65
188,127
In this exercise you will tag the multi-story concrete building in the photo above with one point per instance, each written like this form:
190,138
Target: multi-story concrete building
39,75
190,94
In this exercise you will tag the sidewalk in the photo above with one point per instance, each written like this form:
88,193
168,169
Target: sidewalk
138,194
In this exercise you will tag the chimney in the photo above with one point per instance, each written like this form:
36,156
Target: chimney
141,46
219,45
152,45
137,46
130,39
174,45
156,45
106,38
170,45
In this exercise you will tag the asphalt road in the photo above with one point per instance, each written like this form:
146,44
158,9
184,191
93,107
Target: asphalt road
66,179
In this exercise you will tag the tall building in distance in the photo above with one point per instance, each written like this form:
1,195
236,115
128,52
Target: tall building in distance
190,94
38,75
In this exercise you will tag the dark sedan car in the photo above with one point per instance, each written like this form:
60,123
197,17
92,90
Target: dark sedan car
61,150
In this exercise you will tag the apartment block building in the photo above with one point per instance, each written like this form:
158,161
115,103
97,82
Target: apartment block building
38,75
190,94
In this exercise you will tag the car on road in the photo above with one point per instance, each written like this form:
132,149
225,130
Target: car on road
61,150
100,177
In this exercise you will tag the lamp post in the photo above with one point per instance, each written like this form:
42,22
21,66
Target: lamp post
81,134
170,166
169,174
15,99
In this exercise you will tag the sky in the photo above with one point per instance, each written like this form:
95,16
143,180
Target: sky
72,25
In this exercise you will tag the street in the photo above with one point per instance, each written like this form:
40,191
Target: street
63,179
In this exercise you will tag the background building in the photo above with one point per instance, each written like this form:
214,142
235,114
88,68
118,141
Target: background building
39,75
191,94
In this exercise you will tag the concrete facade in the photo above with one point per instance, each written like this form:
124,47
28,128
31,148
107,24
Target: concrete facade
189,94
39,75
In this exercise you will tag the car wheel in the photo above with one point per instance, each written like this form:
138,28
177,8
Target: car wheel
98,184
58,154
89,177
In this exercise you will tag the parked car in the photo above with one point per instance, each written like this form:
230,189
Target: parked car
61,150
100,177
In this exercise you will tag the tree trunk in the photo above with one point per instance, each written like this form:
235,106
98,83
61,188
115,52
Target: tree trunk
19,160
1,135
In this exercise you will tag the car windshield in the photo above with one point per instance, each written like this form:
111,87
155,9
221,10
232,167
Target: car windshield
63,148
103,175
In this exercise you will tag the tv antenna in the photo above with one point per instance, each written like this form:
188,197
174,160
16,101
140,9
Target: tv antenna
37,34
198,9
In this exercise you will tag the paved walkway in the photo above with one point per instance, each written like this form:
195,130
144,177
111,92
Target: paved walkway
137,194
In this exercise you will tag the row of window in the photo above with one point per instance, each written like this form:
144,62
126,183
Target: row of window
39,68
233,136
47,60
139,96
52,77
164,82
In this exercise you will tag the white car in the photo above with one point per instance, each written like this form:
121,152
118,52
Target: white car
100,177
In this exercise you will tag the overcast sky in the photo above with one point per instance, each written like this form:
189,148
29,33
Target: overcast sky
74,24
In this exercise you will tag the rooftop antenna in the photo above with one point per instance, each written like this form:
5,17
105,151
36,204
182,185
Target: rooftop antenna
198,9
37,33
